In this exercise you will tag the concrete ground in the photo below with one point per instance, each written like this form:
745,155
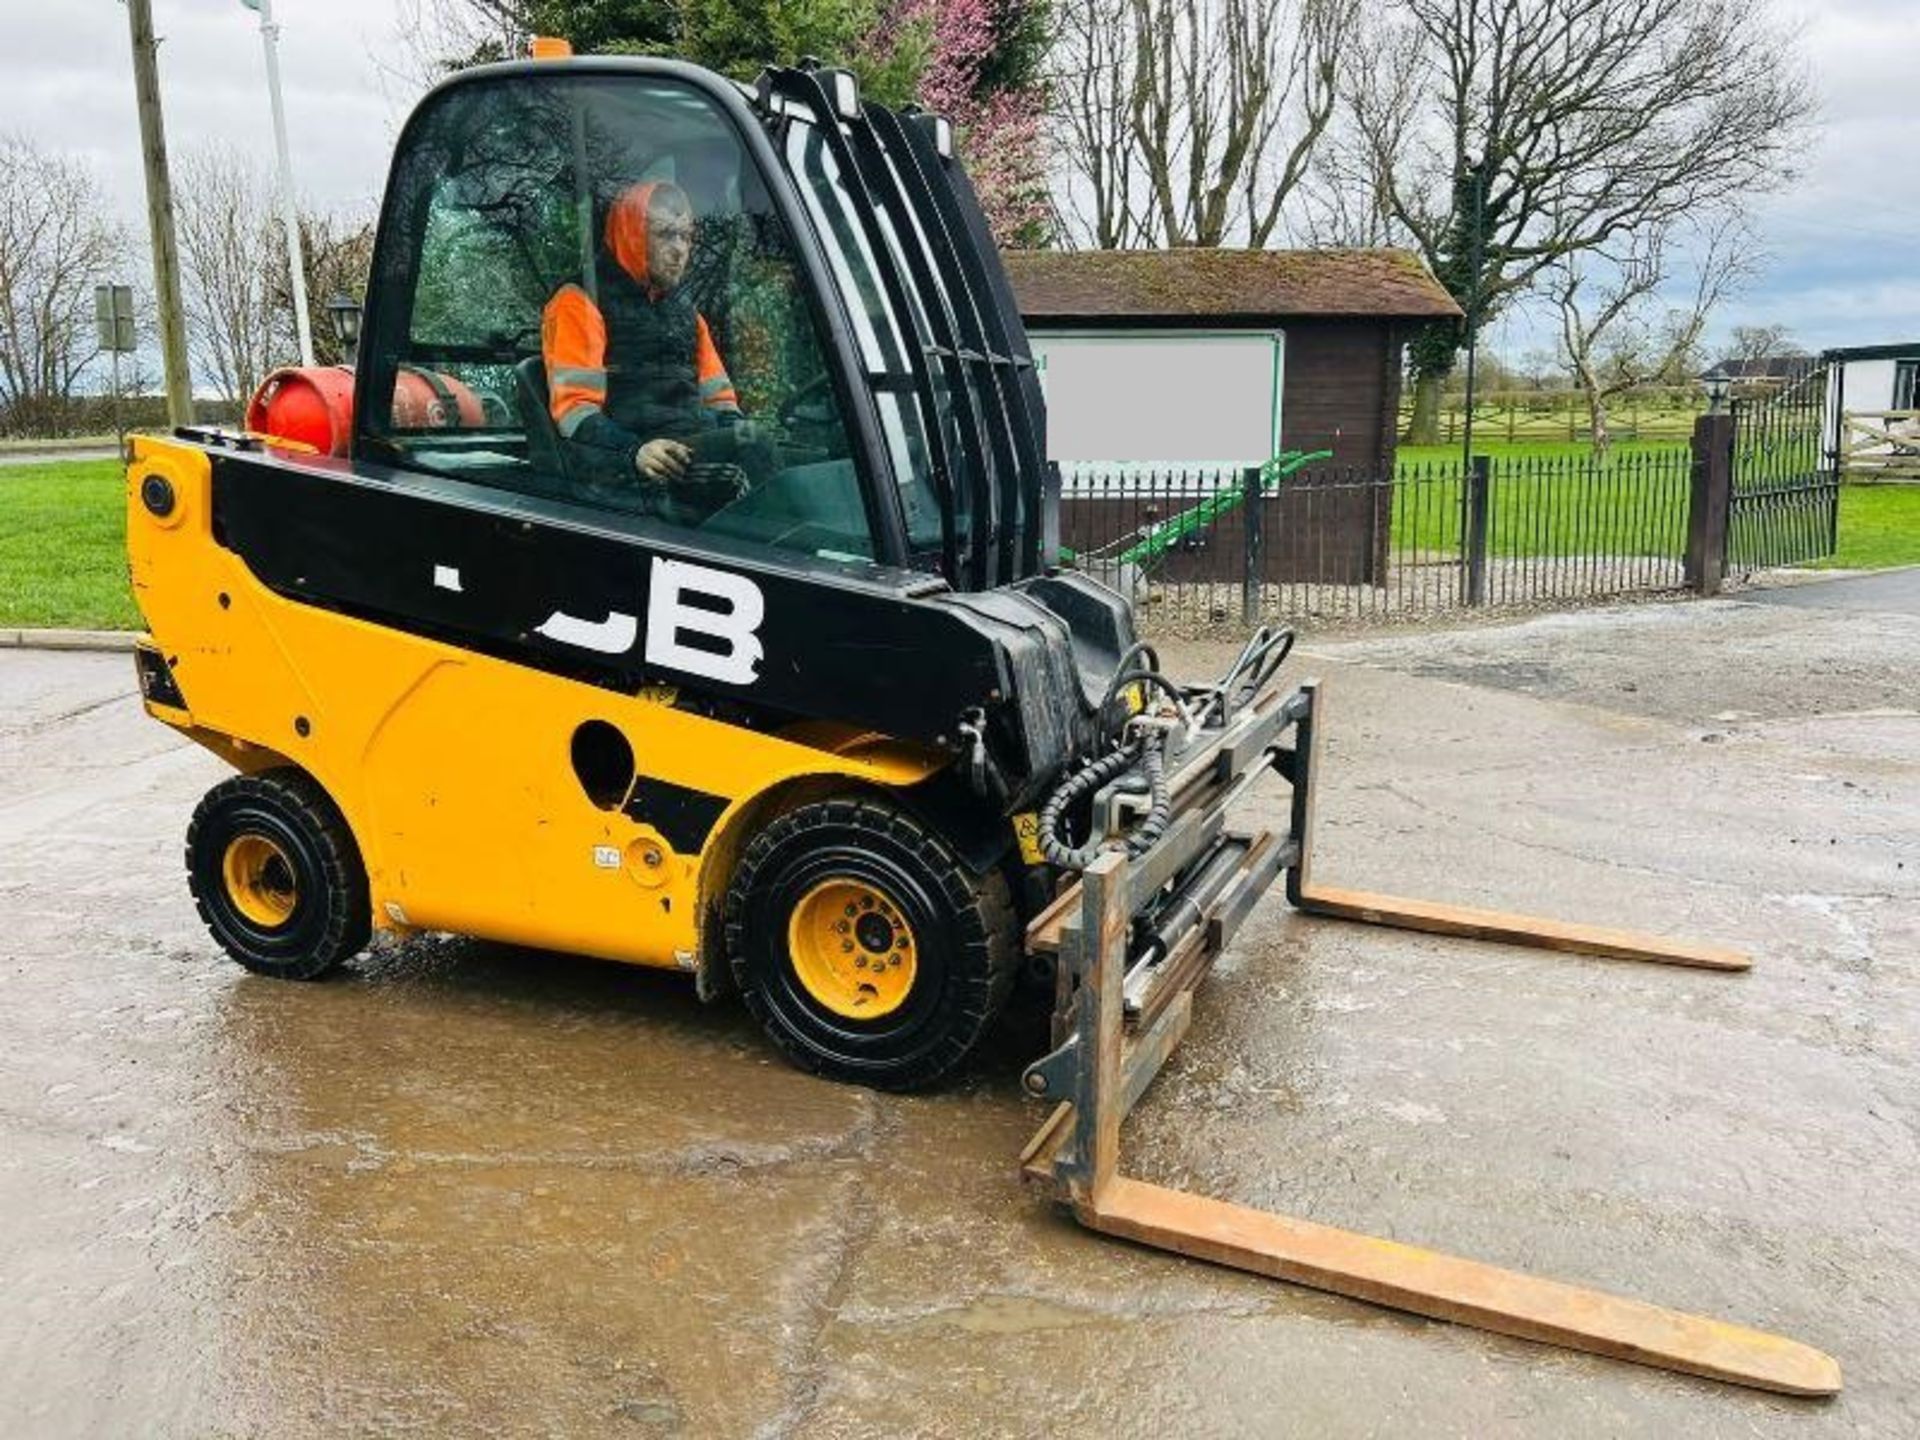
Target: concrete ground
1895,590
470,1190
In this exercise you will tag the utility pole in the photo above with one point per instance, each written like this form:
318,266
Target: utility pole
289,212
166,257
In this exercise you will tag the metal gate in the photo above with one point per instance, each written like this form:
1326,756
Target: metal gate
1784,506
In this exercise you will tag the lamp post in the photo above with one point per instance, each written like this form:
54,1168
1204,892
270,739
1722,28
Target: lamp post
1717,388
289,213
343,311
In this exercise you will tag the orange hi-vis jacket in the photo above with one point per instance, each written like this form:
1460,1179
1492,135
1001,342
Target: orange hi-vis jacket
636,365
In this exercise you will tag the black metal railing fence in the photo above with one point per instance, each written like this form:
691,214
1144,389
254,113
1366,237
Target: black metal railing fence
1784,506
1198,547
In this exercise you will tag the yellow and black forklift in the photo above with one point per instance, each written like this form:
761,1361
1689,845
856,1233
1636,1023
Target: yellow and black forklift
800,702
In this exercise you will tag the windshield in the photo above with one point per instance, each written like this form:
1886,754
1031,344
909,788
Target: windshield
588,295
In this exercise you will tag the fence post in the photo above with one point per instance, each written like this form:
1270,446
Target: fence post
1050,489
1252,526
1709,503
1474,511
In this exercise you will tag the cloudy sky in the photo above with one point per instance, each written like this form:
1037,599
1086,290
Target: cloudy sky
1844,239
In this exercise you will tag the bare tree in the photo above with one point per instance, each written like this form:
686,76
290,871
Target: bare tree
231,247
56,244
1090,84
1501,137
339,253
1616,335
1762,342
1191,122
233,252
437,36
440,35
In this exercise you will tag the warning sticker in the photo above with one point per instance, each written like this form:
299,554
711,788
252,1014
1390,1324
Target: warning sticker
1026,829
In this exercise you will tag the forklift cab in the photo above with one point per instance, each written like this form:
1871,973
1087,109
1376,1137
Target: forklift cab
889,409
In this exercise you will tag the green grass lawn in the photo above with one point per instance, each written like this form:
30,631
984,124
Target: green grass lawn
63,547
1548,499
1879,527
1545,502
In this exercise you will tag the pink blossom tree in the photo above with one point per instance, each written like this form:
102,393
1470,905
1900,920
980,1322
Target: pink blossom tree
998,125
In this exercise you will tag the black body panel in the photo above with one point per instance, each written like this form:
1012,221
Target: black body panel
685,817
157,684
879,648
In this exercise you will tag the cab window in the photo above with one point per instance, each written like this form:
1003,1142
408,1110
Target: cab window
891,346
599,304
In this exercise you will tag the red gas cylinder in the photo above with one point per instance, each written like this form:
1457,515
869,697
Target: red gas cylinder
308,406
429,400
314,406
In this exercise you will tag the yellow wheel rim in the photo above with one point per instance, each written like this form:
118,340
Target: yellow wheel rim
852,949
260,880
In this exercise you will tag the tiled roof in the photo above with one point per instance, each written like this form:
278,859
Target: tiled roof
1217,284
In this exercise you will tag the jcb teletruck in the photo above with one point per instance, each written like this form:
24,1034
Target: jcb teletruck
798,704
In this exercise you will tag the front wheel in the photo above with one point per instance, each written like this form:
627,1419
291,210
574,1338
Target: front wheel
276,875
865,947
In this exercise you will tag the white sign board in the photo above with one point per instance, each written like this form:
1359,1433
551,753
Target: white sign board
1188,398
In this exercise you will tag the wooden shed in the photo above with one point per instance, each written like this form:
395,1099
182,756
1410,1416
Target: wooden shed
1205,361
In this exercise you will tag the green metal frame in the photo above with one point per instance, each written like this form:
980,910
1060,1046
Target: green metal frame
1170,532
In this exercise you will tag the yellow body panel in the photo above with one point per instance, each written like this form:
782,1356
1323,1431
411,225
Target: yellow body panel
454,769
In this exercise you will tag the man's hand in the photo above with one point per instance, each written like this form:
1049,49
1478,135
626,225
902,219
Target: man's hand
662,460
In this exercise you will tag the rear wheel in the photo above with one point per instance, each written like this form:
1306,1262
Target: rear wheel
865,947
276,875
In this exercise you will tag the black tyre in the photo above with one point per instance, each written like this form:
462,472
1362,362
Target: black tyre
864,946
276,875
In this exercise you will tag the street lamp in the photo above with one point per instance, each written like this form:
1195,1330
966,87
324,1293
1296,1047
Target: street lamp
1717,388
289,211
344,312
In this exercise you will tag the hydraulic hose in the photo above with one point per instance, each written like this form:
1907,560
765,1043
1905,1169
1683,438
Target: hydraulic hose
1256,664
1200,707
1148,757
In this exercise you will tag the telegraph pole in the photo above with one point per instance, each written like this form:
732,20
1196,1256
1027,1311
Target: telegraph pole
166,257
289,212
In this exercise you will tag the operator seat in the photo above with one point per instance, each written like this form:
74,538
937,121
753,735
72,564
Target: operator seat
544,451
